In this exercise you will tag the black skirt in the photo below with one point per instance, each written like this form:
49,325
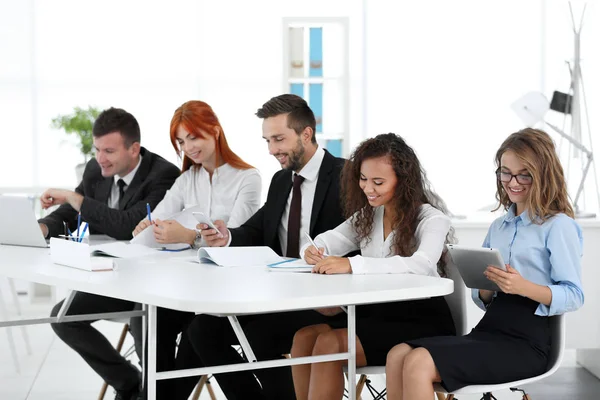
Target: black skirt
509,343
380,327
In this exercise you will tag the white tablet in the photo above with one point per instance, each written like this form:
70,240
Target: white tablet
471,262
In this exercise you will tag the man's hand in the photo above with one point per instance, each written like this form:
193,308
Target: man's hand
172,232
333,265
212,237
312,255
141,226
52,197
510,282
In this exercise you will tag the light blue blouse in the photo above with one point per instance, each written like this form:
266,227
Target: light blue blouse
548,254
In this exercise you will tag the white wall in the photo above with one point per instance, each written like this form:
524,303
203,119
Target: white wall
441,74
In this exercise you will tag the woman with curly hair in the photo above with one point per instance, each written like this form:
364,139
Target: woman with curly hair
400,226
543,246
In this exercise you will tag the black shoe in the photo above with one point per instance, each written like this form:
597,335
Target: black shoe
129,394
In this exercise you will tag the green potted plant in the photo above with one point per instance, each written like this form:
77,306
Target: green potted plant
79,123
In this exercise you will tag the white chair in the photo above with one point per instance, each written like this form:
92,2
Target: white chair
557,329
458,308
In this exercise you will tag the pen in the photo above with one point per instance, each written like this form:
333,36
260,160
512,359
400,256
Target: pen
282,262
83,232
70,237
148,211
313,243
78,223
66,230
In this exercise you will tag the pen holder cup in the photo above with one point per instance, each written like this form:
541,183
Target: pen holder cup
70,253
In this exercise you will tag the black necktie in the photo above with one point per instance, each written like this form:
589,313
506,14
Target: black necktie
293,234
121,184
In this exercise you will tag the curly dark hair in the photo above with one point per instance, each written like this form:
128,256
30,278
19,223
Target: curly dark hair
411,192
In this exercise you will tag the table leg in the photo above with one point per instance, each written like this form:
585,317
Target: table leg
352,352
151,352
144,345
239,333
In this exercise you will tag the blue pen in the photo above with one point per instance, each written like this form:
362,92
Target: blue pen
70,234
78,223
83,232
148,211
282,262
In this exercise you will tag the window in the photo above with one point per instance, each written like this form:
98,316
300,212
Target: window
315,67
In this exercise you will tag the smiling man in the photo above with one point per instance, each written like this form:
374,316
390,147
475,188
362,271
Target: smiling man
303,197
112,199
116,185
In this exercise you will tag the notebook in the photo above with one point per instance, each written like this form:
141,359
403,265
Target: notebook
19,226
239,256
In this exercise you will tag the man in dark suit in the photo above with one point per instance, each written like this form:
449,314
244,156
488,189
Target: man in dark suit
303,197
112,199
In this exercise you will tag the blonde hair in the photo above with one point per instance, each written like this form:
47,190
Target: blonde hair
548,194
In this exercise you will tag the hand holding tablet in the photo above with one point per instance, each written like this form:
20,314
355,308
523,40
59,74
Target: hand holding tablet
472,262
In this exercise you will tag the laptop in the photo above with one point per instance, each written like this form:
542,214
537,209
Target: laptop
19,227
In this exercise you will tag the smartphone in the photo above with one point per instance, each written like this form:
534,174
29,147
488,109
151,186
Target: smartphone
203,219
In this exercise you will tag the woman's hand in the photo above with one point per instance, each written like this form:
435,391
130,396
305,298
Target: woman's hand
333,265
172,232
329,311
141,226
510,282
214,238
312,255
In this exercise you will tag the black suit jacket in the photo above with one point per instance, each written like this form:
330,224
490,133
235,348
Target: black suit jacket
263,227
149,185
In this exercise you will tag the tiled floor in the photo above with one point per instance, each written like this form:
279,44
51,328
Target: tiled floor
54,372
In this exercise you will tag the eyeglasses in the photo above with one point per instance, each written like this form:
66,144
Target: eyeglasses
506,177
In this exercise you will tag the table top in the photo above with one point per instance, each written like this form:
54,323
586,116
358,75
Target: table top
172,280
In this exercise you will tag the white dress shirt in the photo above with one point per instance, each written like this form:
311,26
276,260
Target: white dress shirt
113,200
377,255
310,173
233,195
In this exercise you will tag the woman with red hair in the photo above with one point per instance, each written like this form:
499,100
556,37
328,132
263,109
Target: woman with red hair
214,179
217,182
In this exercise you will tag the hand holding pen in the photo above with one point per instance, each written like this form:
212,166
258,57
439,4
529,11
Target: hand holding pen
313,254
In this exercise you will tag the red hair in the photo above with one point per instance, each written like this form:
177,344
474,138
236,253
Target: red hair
199,119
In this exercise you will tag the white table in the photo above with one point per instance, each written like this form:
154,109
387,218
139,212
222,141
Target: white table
168,280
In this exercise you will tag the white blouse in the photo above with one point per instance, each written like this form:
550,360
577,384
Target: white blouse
233,195
376,255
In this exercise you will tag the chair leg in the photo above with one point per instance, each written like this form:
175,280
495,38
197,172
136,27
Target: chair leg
118,348
199,387
210,390
360,385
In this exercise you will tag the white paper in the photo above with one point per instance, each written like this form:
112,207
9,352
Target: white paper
239,256
185,218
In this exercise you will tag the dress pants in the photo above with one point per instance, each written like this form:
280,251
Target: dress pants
269,335
92,345
169,355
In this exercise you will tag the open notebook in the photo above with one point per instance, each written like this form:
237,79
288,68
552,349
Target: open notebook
245,257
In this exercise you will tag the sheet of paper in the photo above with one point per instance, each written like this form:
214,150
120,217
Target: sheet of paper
239,256
185,218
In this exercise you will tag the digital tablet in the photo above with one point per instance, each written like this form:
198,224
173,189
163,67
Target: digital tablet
471,263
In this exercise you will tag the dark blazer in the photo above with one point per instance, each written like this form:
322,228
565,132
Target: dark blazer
149,185
263,227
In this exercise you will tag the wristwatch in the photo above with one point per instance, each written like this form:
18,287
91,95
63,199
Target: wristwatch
198,238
